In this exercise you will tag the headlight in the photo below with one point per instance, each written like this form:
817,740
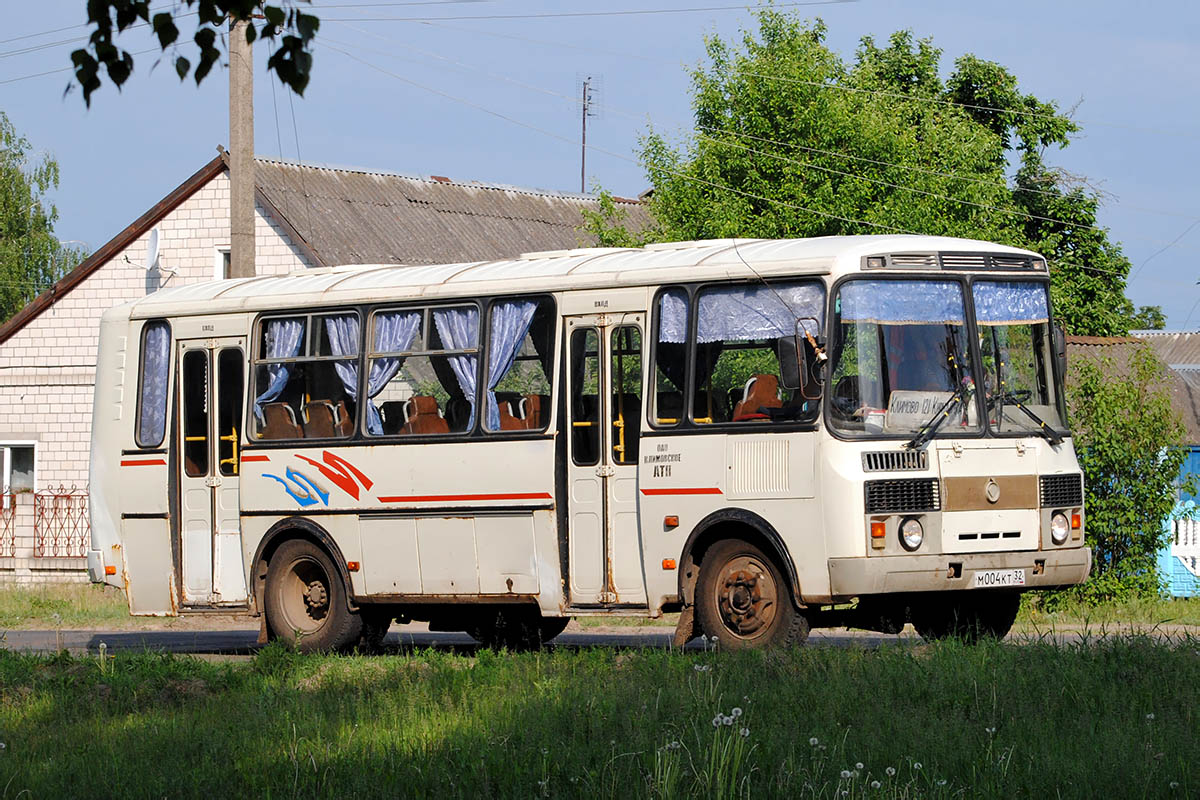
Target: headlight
1060,529
911,534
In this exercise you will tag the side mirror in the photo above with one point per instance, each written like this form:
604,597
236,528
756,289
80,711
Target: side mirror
1060,349
789,350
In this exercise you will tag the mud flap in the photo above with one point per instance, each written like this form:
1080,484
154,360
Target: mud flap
685,631
262,630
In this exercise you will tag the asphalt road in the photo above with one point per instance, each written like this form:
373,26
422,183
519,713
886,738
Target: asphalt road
401,638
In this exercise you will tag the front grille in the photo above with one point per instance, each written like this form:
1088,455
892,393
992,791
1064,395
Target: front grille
990,261
896,461
913,260
1061,490
898,496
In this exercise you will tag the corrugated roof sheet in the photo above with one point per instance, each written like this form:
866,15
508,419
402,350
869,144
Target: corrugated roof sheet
351,216
1175,348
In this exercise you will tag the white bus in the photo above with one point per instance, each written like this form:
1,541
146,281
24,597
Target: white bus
765,436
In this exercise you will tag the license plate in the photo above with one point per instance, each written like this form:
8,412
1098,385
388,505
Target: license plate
986,578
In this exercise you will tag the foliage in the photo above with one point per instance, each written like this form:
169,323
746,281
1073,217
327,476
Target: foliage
1129,443
284,21
31,258
791,141
1149,318
933,721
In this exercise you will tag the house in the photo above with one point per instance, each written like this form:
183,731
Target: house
1179,561
306,217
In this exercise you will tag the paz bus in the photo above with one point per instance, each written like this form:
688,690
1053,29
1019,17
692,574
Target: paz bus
763,436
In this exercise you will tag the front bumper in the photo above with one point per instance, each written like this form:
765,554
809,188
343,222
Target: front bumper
95,566
854,577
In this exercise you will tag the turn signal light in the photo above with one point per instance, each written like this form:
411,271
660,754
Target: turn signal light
352,566
878,530
1076,521
670,522
109,569
668,563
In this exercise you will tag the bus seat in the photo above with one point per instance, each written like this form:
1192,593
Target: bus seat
533,406
509,422
424,416
392,413
280,419
669,407
320,420
343,424
458,413
762,391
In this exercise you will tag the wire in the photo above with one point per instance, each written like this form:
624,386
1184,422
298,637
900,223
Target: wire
1164,248
568,14
67,69
300,161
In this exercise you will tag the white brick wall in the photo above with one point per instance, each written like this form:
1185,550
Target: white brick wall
47,369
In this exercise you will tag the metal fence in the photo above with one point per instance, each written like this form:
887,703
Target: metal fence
61,528
8,525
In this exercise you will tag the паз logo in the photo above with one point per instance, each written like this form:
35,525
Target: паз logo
305,491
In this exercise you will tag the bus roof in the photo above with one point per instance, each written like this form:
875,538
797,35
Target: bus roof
551,271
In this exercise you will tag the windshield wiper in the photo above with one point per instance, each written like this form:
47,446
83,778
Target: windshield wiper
926,431
1044,430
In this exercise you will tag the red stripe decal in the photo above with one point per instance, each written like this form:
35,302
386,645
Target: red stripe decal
452,498
143,462
248,459
701,490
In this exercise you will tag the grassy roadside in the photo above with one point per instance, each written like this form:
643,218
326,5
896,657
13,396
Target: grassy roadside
1109,716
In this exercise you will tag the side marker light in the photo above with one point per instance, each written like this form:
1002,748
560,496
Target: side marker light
668,563
109,569
352,566
671,522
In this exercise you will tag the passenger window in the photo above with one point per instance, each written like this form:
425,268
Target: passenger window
152,391
195,413
520,362
740,335
424,367
670,357
306,377
585,397
627,393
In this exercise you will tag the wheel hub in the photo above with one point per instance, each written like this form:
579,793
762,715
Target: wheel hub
315,596
746,597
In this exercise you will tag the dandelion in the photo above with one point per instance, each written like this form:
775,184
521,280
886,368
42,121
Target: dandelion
990,731
728,721
737,712
916,765
702,667
845,773
875,784
3,745
745,732
890,771
941,782
822,747
717,721
859,765
1150,716
1174,784
545,751
814,741
675,745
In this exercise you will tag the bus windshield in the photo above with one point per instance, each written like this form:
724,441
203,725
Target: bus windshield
903,357
1016,350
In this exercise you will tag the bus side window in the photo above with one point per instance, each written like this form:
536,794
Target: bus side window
152,391
585,397
520,361
195,413
627,393
670,357
229,408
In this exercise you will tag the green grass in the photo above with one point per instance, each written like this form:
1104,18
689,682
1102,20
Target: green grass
63,605
1109,717
1139,613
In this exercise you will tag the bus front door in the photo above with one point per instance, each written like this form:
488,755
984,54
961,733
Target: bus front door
211,403
604,384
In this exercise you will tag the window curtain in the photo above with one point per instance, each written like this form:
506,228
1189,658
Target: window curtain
1010,302
458,329
744,313
156,355
285,337
509,325
342,331
673,317
904,302
394,332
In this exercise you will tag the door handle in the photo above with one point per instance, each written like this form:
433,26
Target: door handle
604,471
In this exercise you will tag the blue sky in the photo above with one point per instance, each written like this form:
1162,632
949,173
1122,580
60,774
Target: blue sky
1131,72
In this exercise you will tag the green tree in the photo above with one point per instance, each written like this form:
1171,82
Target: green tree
789,140
31,258
1130,444
1149,318
290,28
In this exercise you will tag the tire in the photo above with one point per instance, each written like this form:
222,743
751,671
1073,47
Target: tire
969,618
306,601
515,628
744,601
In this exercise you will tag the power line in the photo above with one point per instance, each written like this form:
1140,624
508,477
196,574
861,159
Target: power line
577,14
66,69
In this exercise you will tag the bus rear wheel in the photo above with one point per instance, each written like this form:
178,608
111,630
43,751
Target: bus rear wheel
306,601
742,599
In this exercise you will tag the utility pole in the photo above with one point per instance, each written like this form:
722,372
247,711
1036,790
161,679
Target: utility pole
241,153
585,103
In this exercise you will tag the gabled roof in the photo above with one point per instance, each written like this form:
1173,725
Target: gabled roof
339,215
1177,349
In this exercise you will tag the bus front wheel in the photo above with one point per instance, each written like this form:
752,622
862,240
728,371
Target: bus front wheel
742,599
306,599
